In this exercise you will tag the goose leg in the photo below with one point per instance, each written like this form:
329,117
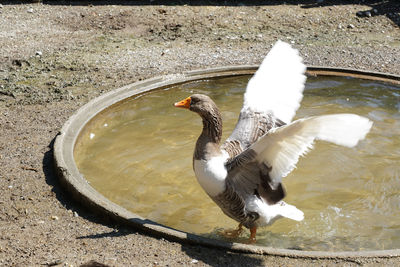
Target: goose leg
233,233
253,232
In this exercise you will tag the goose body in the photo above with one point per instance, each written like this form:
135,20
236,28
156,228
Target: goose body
244,174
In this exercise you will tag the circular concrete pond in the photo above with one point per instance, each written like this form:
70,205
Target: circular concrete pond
78,130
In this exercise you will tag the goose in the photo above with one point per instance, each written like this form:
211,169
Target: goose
243,175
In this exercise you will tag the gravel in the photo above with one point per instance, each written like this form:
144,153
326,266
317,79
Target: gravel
54,58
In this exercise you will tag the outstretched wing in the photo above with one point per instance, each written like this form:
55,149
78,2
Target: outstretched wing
276,154
272,97
277,86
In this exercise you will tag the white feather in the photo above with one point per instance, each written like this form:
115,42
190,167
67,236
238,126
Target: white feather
290,211
282,147
278,84
270,213
211,174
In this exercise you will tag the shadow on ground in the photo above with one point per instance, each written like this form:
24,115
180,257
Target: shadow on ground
221,257
65,197
388,8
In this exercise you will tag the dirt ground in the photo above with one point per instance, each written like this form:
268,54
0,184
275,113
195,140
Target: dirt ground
56,56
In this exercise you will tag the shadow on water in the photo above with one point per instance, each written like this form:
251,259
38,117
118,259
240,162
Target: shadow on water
388,8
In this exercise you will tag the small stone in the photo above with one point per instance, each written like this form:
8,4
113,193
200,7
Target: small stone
10,186
350,26
38,53
30,10
54,218
1,6
368,14
194,261
54,263
75,214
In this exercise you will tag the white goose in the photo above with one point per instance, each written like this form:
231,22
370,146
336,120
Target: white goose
244,174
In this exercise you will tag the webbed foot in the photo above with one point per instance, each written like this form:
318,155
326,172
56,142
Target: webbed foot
232,233
252,239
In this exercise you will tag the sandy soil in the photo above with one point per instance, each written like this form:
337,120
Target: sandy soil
54,57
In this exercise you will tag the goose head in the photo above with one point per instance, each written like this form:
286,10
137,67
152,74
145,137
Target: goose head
208,111
201,104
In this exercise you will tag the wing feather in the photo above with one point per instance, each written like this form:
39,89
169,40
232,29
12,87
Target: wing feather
272,97
261,167
278,84
281,148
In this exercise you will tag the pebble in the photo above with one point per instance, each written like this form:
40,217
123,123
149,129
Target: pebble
30,10
367,13
38,53
75,214
55,218
194,261
54,262
1,6
350,26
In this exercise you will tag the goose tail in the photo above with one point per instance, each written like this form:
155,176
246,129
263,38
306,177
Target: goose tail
290,212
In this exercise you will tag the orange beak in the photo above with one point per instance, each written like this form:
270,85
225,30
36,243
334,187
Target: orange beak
185,103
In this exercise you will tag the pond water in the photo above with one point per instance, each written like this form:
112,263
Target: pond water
138,154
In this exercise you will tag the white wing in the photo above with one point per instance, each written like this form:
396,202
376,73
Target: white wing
282,147
278,84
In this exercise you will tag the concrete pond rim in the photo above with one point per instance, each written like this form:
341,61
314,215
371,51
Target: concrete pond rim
74,182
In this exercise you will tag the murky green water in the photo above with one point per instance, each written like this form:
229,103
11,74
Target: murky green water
139,155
